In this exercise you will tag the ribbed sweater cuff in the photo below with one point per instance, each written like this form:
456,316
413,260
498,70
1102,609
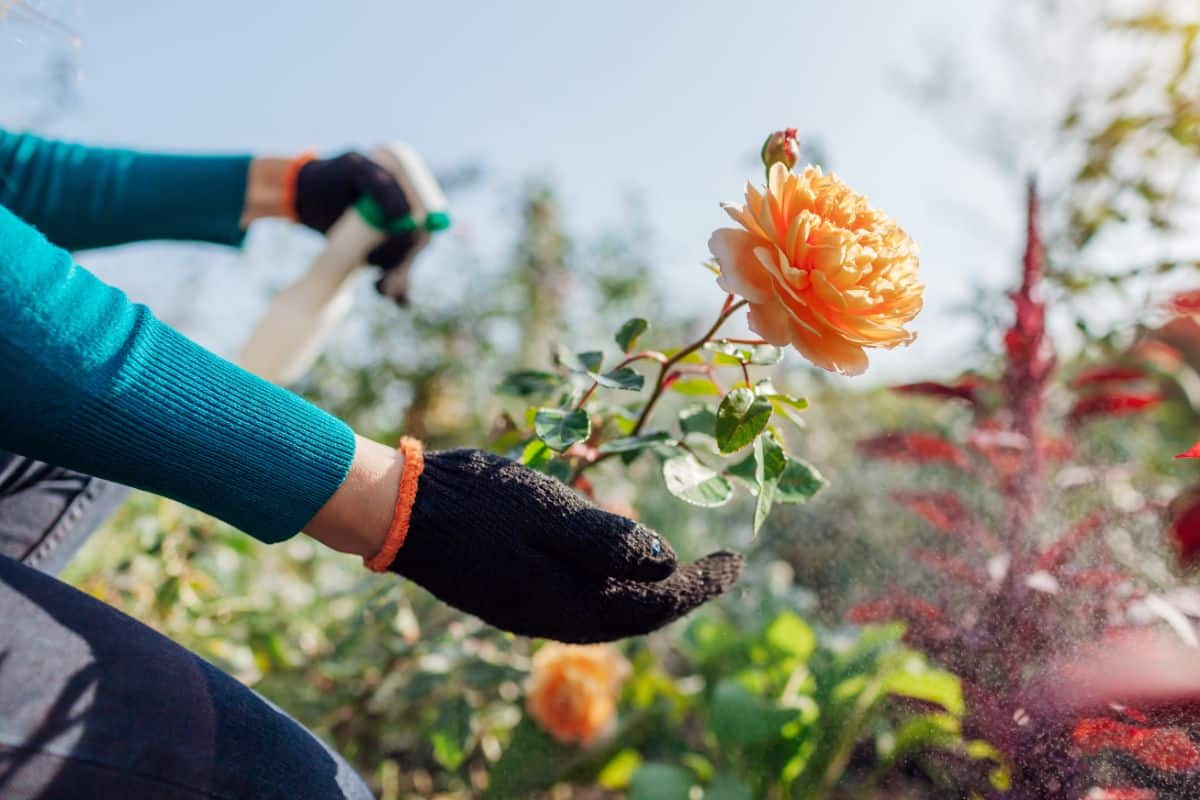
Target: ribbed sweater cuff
216,437
196,198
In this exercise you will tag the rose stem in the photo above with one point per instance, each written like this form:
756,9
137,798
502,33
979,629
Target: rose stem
663,368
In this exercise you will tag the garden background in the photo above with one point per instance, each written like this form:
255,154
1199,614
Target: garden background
585,152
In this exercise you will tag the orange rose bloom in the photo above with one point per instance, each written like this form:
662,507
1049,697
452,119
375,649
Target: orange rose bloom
572,692
821,269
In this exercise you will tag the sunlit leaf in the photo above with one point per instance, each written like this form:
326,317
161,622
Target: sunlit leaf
695,387
560,428
694,483
799,483
741,416
536,454
617,773
930,685
791,635
629,333
769,464
621,378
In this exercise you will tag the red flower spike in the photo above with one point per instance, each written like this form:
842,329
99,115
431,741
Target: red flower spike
1106,375
913,447
1112,404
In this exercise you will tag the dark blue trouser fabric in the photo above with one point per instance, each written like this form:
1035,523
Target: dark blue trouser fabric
94,704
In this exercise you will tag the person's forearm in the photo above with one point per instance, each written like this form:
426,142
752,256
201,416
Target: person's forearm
357,517
265,192
95,383
83,197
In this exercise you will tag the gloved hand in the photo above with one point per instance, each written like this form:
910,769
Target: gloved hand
325,188
526,554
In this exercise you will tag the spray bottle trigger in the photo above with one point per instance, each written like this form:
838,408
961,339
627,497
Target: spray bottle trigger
373,215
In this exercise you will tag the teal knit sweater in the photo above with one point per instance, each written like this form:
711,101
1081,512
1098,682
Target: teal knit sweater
93,382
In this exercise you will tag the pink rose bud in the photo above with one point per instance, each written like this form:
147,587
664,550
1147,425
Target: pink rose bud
783,146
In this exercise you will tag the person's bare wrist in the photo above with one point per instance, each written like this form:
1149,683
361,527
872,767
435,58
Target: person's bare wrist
357,517
265,189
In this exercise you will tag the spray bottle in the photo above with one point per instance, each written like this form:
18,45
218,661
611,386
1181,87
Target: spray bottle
301,316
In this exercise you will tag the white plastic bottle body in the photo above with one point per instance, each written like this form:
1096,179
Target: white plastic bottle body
302,316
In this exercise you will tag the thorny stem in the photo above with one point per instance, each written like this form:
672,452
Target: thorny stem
731,305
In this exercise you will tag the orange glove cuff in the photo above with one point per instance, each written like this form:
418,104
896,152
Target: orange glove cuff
290,176
414,465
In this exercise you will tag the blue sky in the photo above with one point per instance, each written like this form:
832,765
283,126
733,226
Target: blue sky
666,99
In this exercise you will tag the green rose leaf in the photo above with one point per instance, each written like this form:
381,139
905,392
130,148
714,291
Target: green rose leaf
695,387
698,419
621,378
629,333
694,483
770,462
732,354
741,416
560,428
536,454
586,362
744,471
799,483
634,444
529,383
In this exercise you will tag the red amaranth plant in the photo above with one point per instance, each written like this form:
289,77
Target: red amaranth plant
1007,598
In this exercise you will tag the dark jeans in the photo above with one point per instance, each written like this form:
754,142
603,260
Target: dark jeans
94,704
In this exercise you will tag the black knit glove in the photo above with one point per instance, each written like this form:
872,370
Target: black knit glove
526,554
325,188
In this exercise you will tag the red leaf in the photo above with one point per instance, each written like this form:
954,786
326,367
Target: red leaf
954,568
1191,452
1112,404
913,447
1108,374
1162,748
1157,354
1059,552
926,625
1119,793
945,512
1184,526
1003,448
964,389
1185,304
